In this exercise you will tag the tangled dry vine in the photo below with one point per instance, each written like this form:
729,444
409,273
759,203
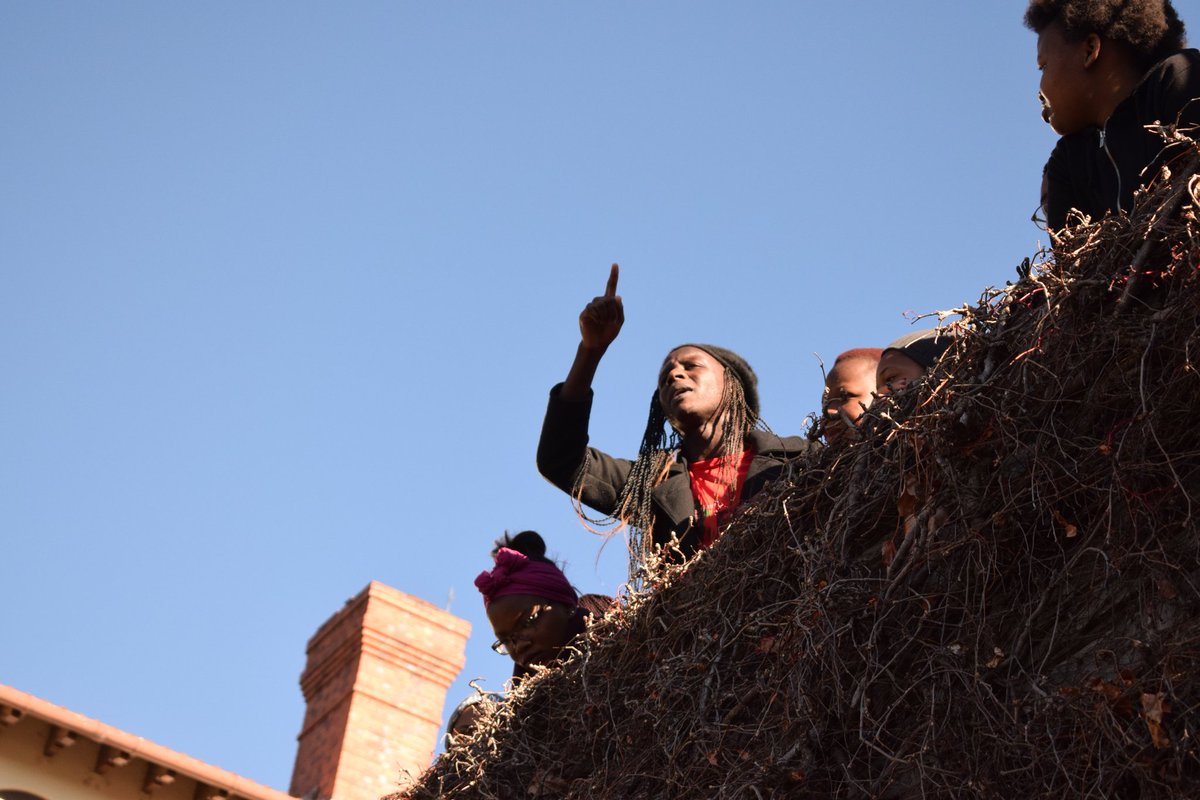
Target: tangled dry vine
995,594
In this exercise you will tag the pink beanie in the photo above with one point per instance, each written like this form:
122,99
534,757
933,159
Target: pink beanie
516,573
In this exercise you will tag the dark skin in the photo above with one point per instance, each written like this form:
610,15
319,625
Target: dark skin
1082,81
690,385
536,643
895,372
465,724
849,390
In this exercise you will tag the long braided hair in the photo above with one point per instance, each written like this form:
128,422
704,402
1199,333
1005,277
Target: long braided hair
661,442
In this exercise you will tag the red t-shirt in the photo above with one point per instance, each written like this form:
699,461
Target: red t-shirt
717,487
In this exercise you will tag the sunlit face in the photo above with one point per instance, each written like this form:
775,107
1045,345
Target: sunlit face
691,385
896,371
848,393
532,629
1066,80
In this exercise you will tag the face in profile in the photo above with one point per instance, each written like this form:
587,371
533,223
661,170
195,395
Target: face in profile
896,371
532,630
849,389
465,719
1066,81
691,385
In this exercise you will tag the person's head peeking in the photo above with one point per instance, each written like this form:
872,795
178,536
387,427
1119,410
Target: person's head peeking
528,600
465,716
849,390
909,358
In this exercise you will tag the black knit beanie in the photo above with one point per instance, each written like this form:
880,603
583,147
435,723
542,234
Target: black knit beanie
732,361
924,347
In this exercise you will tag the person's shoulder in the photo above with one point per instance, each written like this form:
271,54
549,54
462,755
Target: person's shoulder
1186,59
1179,71
775,446
1165,93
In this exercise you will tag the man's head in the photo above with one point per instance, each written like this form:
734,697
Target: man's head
1083,43
708,394
909,358
849,389
697,369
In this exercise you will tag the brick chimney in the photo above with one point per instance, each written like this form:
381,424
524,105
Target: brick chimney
375,685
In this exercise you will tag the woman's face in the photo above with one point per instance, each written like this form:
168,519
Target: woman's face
1066,80
896,371
849,390
532,629
691,385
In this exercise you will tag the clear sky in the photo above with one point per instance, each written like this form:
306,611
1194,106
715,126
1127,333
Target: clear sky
283,287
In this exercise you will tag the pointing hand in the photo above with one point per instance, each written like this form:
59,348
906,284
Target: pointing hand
601,320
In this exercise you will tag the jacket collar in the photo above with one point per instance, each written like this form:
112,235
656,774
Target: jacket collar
674,495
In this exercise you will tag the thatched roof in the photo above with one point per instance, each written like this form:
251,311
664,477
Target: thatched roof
995,594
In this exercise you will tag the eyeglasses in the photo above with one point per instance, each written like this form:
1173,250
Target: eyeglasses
1039,218
503,645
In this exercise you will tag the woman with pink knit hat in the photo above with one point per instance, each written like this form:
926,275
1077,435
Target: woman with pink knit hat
534,610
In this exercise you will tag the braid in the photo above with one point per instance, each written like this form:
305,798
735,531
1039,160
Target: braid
635,502
739,420
658,450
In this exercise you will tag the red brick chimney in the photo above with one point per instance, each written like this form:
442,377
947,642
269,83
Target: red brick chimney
375,685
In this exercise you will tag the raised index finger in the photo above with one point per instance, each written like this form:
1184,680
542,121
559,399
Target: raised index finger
611,289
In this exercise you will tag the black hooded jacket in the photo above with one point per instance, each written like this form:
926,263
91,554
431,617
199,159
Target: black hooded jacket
1098,169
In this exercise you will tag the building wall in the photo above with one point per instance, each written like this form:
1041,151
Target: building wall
375,686
70,774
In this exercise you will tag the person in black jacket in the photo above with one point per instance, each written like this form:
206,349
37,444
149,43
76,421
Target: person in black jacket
683,485
1110,68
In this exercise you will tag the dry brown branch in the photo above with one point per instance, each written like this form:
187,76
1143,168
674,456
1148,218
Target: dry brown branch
995,594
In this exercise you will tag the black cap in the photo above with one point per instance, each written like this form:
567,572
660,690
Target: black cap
924,347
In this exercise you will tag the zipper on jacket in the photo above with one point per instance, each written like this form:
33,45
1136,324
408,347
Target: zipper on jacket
1111,160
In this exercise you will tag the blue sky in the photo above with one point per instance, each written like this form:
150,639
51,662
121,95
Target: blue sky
283,287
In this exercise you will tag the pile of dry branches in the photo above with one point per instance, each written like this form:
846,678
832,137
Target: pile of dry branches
995,594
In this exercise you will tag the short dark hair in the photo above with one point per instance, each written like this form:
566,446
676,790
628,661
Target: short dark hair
1151,29
528,543
859,353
